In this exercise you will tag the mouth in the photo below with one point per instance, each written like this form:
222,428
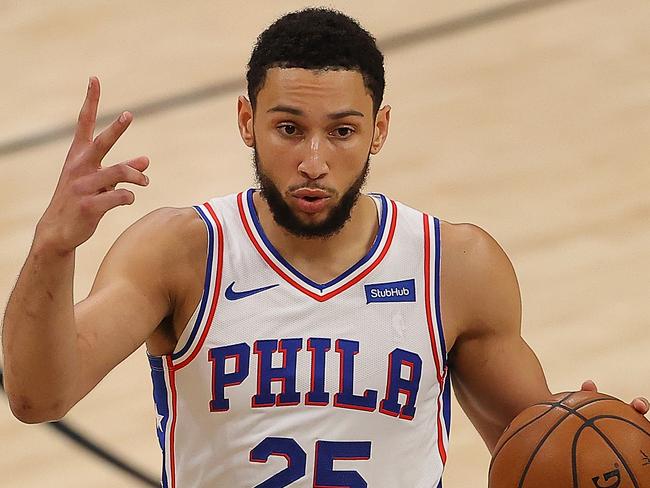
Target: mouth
310,193
310,200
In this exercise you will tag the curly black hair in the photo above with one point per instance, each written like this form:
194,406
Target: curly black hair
317,39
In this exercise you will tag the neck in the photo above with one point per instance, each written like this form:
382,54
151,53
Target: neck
323,259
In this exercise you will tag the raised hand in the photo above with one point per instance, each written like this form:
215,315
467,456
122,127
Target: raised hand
86,190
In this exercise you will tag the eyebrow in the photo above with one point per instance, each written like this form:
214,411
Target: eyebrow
298,112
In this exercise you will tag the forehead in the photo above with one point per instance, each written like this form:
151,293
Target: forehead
315,90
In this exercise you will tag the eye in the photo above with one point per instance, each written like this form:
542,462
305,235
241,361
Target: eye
288,129
343,132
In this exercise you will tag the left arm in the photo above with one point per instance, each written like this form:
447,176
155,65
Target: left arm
495,373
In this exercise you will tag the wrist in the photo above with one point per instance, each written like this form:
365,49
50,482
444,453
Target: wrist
47,244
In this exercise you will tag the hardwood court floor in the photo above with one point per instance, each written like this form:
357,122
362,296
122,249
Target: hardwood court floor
535,126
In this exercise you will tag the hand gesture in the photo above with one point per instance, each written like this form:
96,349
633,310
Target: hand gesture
86,190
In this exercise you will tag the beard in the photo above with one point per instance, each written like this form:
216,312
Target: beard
286,217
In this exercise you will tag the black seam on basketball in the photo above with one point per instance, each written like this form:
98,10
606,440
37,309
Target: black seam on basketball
596,400
590,423
494,455
553,404
538,447
573,411
574,455
557,402
587,422
623,419
569,410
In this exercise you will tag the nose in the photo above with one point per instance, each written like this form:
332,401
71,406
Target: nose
314,161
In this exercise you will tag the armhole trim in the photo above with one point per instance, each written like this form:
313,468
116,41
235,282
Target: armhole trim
203,317
436,332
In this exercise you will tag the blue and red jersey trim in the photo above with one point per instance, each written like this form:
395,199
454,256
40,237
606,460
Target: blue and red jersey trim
325,291
211,288
164,368
165,400
436,332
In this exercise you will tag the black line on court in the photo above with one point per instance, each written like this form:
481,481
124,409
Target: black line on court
92,446
146,109
464,23
427,33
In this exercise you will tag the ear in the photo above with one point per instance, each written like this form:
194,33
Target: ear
245,121
381,129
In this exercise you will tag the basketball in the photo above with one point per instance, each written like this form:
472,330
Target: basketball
576,439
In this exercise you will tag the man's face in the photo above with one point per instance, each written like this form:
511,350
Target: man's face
288,218
312,132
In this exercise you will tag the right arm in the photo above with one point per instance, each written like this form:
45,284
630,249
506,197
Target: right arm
54,351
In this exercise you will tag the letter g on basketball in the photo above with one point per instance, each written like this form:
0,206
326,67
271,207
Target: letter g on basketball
611,474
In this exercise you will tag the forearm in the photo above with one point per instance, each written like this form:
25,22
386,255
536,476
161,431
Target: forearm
495,380
39,336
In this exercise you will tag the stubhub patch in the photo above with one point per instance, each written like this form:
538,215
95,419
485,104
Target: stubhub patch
395,291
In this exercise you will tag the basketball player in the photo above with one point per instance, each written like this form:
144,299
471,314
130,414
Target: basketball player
302,320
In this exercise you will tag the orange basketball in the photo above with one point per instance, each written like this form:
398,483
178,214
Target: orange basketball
575,440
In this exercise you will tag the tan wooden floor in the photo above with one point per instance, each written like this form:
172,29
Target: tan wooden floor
535,126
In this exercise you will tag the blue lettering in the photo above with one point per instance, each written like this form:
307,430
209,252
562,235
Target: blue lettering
396,384
286,374
220,379
346,398
399,361
317,394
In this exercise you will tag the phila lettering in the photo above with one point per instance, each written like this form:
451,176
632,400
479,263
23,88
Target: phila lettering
403,374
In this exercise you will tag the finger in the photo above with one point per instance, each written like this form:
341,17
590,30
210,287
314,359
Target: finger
88,114
641,405
108,200
140,163
588,385
109,136
108,178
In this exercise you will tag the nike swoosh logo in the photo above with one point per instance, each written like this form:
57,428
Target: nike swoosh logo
236,295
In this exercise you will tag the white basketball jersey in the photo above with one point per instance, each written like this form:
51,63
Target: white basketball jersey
280,381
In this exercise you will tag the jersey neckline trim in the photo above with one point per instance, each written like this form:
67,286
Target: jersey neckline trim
318,291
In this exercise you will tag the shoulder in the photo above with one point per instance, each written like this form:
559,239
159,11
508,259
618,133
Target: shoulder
478,280
167,221
167,225
470,245
164,240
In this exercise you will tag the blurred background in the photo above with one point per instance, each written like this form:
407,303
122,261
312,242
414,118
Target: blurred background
528,118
